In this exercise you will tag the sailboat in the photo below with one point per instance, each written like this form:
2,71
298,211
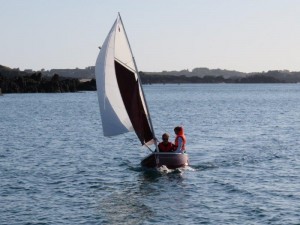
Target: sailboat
123,106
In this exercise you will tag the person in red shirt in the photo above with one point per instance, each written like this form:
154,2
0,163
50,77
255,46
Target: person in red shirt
165,145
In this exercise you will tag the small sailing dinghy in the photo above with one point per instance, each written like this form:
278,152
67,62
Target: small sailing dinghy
123,106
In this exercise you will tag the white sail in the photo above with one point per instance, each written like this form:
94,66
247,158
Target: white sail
122,104
113,114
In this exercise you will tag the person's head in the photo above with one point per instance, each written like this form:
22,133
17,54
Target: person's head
165,137
178,130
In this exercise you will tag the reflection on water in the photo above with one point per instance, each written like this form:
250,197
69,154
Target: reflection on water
132,201
125,207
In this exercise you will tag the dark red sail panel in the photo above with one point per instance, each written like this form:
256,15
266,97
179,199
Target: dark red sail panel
129,89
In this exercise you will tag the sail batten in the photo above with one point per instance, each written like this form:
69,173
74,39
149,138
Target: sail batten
121,100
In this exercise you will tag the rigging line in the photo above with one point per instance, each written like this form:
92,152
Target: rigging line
155,155
148,147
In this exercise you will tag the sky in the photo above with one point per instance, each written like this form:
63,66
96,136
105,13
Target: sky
165,35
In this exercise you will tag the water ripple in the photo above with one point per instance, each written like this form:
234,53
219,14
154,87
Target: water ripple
57,168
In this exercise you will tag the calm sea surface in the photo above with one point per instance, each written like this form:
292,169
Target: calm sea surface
243,140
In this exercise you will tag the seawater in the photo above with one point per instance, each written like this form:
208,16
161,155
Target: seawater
243,141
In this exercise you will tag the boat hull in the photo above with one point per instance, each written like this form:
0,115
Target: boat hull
169,159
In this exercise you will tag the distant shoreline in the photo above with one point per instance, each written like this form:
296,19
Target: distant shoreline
74,80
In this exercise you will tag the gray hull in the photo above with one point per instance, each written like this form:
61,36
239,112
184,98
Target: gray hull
169,159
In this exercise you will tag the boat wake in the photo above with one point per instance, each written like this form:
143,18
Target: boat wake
204,166
165,170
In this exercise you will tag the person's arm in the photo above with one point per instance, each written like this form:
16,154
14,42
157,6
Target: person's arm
179,147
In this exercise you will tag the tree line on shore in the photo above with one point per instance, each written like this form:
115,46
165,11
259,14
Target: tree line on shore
168,79
35,83
16,81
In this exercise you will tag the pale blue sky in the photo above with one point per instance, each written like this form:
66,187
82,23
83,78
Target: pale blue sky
243,35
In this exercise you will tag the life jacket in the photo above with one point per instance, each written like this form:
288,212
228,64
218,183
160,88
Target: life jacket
180,134
165,148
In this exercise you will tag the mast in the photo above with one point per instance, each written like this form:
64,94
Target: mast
141,86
